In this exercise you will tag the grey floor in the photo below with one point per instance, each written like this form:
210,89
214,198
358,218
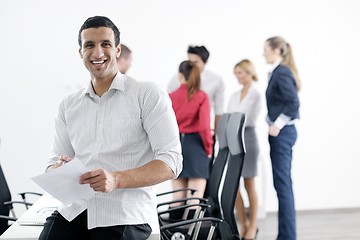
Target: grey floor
315,225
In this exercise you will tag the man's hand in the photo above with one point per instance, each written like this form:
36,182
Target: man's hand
61,161
100,180
274,130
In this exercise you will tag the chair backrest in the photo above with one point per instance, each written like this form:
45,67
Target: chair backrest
217,168
5,196
223,183
235,138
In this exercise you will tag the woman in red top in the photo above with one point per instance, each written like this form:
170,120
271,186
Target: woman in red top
192,110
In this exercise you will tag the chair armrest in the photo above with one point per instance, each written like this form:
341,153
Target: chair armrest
8,218
202,200
202,205
23,194
192,191
9,203
214,221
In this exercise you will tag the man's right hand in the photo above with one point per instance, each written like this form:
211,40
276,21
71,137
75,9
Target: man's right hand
61,161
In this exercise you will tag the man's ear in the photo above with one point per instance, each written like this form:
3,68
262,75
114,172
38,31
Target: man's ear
118,51
80,53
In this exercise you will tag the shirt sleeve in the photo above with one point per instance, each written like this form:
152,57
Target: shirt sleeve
253,110
173,84
161,127
204,123
219,98
231,103
281,121
61,144
288,91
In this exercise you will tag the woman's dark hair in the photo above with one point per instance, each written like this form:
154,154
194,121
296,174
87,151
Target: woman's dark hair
97,22
191,74
201,51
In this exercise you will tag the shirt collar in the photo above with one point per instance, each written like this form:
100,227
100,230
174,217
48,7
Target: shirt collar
118,83
274,65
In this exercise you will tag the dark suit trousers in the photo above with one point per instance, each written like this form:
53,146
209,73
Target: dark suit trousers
58,228
281,157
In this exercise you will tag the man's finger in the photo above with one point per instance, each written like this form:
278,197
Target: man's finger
91,177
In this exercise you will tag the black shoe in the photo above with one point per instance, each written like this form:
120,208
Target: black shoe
255,237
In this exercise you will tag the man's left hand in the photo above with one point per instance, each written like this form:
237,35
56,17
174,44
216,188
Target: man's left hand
100,180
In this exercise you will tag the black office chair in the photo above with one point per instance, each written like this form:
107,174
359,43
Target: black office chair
220,223
6,205
213,182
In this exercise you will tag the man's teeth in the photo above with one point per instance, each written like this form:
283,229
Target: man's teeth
98,62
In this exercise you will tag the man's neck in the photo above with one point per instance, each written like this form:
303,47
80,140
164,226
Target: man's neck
102,85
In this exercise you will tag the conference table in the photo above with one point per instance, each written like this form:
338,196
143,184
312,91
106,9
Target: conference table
31,232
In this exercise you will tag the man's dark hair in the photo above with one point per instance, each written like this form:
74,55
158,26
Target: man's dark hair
99,21
201,51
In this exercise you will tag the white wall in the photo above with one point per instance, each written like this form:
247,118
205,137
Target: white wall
39,64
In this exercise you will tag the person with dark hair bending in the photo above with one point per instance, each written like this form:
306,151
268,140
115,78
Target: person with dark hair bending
283,109
211,83
192,110
125,133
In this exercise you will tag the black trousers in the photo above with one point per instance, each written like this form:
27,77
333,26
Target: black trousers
58,228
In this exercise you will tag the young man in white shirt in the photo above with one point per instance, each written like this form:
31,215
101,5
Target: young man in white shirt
125,132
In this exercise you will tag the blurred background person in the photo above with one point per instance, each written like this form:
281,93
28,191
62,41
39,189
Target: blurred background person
248,101
212,84
192,109
125,59
283,109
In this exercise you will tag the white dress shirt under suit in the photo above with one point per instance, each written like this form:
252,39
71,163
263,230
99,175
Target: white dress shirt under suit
130,125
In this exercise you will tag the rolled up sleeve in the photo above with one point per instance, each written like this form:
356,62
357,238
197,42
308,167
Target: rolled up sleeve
159,122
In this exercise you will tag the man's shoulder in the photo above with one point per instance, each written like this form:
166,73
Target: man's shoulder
213,80
211,75
141,89
132,83
73,96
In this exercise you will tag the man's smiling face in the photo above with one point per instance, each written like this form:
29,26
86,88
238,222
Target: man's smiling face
99,52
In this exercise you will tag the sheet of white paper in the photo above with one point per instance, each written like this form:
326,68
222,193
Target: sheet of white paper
63,182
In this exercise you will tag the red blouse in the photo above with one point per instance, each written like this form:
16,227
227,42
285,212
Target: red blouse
193,115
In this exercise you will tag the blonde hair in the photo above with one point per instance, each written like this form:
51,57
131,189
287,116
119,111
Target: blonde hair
287,55
248,67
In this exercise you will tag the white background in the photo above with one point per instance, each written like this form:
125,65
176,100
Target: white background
39,64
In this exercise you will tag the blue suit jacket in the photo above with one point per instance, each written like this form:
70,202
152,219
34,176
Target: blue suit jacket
281,94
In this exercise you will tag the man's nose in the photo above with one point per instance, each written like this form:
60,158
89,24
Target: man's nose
98,52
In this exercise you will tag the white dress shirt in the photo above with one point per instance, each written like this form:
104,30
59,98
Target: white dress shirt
250,105
214,87
130,125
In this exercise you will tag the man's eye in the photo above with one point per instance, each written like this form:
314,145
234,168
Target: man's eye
106,44
88,45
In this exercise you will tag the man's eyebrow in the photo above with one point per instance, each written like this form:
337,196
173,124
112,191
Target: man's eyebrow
103,41
87,42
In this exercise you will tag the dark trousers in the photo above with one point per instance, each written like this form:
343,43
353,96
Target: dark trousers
58,228
281,157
